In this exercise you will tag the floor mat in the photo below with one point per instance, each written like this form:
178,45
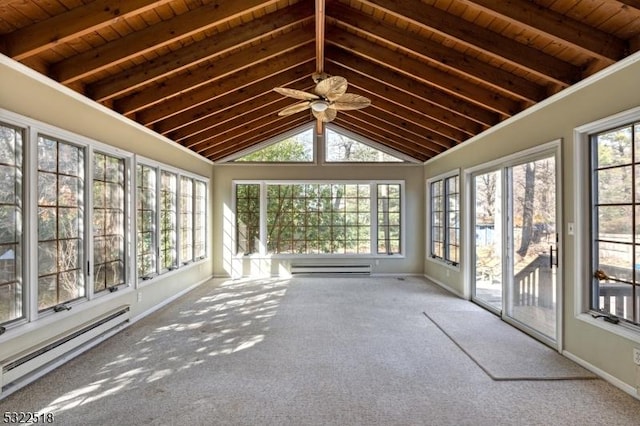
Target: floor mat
503,351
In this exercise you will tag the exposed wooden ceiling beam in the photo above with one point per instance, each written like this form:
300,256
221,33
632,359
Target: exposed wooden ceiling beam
234,90
481,39
153,37
403,129
382,129
400,82
75,23
406,102
499,79
632,3
243,113
560,28
243,126
432,76
252,56
193,54
420,123
320,29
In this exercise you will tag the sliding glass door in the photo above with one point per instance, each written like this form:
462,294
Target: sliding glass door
488,255
533,246
515,257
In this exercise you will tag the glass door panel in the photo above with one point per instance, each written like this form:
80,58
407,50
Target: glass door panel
488,256
532,286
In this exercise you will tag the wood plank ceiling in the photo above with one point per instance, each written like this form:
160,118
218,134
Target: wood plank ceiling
201,72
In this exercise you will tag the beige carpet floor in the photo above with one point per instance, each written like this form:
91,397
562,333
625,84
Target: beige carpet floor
306,351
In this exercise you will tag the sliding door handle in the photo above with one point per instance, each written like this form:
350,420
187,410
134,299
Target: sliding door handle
551,264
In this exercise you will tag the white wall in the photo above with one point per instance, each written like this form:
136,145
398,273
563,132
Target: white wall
602,95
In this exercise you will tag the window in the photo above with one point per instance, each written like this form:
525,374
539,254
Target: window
80,235
297,148
60,219
318,218
247,218
305,218
615,220
168,221
146,221
11,289
186,220
343,148
199,220
108,222
388,218
171,219
444,228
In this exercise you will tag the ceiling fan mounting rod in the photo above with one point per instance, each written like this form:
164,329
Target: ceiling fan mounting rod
320,18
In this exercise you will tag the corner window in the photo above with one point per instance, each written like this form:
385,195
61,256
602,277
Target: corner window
444,219
199,219
247,218
615,222
186,220
171,219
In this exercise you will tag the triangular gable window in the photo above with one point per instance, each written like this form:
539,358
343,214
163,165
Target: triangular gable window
341,148
296,148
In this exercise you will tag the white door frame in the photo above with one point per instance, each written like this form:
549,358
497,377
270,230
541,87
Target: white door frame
550,148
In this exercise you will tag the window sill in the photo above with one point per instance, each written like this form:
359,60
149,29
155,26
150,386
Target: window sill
185,267
629,332
444,263
319,256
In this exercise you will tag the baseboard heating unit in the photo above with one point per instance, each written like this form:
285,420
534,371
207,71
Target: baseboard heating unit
331,269
30,364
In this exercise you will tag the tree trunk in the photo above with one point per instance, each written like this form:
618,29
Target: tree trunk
527,209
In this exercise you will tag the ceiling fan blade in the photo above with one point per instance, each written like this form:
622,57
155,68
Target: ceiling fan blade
301,106
349,101
332,88
325,116
297,94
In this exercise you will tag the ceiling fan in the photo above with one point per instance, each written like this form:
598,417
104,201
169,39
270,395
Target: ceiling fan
328,98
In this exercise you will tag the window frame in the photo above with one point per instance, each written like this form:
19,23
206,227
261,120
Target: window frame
179,173
32,130
162,230
186,218
634,205
583,229
233,158
126,226
401,158
373,214
445,259
21,240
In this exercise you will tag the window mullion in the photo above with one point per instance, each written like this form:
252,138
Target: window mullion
373,194
88,263
263,219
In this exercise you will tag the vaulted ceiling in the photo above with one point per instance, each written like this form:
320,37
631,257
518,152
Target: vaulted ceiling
202,72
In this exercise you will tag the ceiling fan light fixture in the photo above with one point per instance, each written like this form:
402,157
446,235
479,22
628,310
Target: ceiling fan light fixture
319,105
